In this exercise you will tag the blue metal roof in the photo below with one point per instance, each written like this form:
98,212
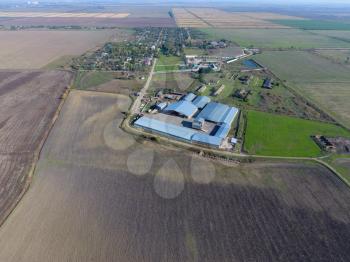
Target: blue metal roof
201,101
189,97
207,139
177,131
229,115
165,128
213,112
183,107
218,113
223,130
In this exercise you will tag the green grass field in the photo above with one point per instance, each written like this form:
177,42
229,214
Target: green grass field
195,51
324,82
275,135
313,24
168,63
303,67
338,56
275,38
174,81
84,80
335,34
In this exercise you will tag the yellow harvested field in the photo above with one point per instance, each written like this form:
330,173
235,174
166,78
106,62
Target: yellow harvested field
207,17
35,49
266,15
64,15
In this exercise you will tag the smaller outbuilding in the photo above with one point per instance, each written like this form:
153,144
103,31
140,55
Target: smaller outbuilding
233,141
267,83
161,106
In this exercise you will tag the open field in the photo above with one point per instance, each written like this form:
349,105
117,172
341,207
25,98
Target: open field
275,38
174,81
303,67
335,55
324,82
90,79
106,82
35,49
313,24
336,34
276,135
208,17
61,14
168,63
127,22
99,195
29,100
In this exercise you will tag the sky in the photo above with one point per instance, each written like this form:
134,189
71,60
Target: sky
247,2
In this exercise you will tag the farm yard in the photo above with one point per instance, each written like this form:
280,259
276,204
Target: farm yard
92,182
278,99
29,100
324,82
277,135
276,38
27,49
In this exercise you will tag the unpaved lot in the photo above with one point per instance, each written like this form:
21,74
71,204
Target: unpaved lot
29,100
102,195
35,49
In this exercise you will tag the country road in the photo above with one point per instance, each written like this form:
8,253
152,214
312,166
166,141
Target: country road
136,105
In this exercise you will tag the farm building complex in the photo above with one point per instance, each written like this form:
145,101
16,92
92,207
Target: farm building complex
194,119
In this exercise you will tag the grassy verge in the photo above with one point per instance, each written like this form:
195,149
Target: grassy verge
341,163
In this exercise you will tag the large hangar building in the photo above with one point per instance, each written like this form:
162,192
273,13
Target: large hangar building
201,112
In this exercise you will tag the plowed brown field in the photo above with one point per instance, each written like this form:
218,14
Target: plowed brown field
101,195
28,102
35,49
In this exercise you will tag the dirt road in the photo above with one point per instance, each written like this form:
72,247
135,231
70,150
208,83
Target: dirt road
136,106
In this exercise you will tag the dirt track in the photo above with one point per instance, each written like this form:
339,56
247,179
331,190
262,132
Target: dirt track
28,101
92,200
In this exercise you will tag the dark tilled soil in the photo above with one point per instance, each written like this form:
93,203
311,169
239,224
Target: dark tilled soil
28,102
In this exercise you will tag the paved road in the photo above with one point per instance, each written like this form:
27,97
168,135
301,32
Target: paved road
135,109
